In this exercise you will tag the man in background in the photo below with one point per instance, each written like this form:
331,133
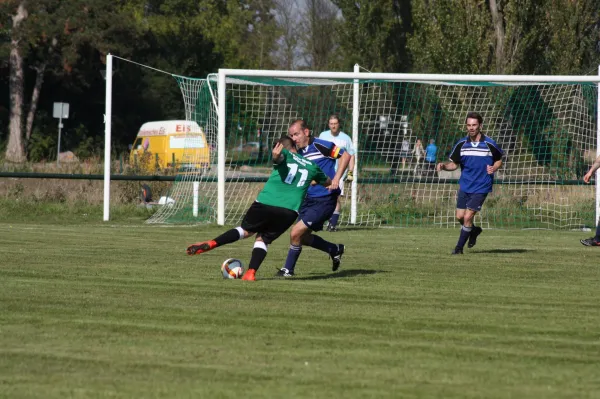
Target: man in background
341,140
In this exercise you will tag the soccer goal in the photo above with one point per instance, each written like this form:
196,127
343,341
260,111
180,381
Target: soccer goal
547,126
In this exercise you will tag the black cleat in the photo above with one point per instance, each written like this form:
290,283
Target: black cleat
590,242
283,272
473,237
457,251
337,259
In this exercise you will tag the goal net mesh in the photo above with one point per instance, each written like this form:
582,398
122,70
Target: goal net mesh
547,131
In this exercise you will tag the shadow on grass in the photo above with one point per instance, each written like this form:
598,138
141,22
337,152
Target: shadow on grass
505,251
342,274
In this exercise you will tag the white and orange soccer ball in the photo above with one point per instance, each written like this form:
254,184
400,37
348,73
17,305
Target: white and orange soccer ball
232,268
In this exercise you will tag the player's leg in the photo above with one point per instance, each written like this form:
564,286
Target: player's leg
259,253
248,228
274,221
228,237
296,235
592,241
321,211
474,204
461,209
333,221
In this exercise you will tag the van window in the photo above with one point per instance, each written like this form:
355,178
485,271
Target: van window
186,142
137,144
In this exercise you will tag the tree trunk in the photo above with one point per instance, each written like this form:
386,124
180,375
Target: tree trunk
498,21
15,151
35,96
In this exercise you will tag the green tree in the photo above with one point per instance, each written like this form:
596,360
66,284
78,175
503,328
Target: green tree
373,34
47,36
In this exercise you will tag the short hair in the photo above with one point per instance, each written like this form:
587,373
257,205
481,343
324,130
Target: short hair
286,142
474,115
302,122
335,116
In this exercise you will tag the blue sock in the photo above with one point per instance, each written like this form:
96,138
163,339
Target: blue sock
465,232
322,245
292,257
334,219
597,238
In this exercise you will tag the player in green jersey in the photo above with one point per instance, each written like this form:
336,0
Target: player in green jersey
275,208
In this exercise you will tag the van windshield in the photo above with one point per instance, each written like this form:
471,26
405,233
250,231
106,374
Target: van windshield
137,144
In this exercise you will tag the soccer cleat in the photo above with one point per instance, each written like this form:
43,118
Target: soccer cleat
249,275
590,242
473,236
457,251
283,272
337,259
201,247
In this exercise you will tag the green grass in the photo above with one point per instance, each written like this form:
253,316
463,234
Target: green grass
118,310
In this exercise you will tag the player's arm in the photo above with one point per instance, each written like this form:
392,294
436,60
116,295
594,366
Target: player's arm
497,158
277,155
595,166
343,162
454,162
449,166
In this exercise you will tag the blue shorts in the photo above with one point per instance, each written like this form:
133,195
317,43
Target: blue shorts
470,201
314,212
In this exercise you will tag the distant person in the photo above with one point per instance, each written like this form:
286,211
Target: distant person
592,241
418,152
275,208
404,151
431,155
342,140
479,157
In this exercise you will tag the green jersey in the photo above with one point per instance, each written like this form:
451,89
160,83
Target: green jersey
289,182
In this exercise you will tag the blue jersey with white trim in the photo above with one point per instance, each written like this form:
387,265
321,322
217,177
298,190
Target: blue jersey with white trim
474,157
323,153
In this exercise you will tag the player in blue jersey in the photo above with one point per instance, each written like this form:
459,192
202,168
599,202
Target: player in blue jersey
342,140
479,157
320,202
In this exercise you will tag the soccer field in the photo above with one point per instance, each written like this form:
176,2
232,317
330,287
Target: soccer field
121,311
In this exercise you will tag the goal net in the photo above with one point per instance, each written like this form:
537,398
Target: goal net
547,130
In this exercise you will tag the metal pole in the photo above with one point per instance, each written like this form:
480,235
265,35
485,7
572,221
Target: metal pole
355,115
60,125
107,135
221,149
598,152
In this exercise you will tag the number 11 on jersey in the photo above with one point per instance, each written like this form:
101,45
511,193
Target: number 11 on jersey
292,174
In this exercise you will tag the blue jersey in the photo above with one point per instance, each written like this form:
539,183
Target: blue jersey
474,157
323,153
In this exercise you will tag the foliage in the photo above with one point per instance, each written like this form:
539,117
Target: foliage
373,34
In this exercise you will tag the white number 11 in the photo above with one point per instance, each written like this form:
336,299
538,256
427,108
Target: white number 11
292,174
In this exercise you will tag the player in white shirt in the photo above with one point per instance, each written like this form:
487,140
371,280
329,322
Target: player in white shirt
342,140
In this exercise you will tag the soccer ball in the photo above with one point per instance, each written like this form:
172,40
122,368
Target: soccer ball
232,268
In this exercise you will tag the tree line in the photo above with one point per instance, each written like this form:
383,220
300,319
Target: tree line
54,51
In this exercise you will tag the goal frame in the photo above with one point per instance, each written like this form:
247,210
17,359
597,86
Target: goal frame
357,76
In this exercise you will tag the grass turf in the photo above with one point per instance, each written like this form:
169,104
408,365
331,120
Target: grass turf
109,310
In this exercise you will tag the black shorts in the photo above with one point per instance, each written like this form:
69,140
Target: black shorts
268,221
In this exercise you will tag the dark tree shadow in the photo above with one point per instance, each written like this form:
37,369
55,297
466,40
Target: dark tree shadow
505,251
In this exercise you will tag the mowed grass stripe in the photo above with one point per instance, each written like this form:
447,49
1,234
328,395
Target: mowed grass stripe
121,311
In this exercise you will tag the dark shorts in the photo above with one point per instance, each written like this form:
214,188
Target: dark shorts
470,201
314,212
268,221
